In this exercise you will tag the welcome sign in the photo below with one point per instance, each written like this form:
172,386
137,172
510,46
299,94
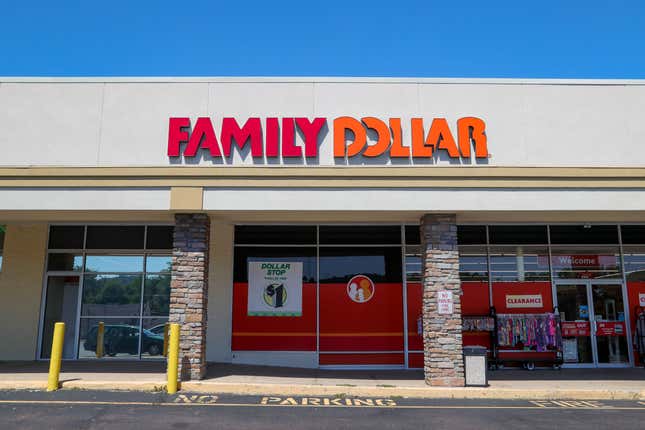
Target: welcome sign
275,288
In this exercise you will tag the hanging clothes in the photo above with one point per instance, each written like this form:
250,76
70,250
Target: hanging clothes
540,332
478,324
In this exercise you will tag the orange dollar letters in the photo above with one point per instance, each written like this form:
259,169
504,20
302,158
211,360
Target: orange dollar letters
419,147
472,128
398,150
383,133
440,135
360,136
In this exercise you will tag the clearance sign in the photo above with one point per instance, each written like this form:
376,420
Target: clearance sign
276,137
524,301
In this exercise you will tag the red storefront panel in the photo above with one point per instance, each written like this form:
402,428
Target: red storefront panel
415,338
476,299
415,298
475,302
503,289
634,291
415,360
374,325
267,333
331,359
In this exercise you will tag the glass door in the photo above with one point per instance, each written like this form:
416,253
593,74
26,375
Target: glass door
592,316
573,305
61,305
609,324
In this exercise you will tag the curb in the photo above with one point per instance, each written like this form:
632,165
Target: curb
424,393
337,390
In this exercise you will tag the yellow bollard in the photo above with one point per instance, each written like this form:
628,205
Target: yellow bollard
173,358
100,335
56,356
165,339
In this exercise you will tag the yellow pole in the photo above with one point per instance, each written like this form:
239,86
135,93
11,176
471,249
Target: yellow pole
165,339
100,335
173,358
56,356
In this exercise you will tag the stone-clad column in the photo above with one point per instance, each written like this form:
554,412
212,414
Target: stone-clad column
189,291
443,359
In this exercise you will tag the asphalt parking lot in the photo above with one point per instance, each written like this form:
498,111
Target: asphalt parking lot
72,409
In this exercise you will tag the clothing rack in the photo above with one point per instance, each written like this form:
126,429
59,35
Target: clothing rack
478,323
528,349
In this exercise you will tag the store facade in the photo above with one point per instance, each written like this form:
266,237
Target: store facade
333,223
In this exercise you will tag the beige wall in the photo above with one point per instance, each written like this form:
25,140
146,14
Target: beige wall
220,292
21,281
94,122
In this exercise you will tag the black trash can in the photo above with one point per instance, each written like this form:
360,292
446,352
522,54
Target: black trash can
476,366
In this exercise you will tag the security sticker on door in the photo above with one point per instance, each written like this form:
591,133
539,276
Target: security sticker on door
275,288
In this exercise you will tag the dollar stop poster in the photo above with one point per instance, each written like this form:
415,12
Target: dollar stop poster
275,288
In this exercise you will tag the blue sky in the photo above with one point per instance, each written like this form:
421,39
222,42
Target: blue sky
537,39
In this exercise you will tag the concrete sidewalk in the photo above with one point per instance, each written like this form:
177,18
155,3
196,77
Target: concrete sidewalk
587,384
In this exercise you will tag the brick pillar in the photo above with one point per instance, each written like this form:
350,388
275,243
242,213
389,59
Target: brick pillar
189,291
443,359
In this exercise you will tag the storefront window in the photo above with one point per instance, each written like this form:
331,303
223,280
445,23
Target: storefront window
273,330
634,257
381,264
2,231
518,234
246,254
413,266
473,263
111,295
156,294
360,235
114,263
127,289
352,271
364,284
519,263
412,235
471,235
275,235
584,234
64,262
519,268
66,237
115,237
598,262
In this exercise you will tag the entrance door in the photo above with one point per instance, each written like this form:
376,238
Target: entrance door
593,323
61,306
609,324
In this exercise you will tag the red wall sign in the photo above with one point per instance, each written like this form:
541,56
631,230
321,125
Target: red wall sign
276,136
